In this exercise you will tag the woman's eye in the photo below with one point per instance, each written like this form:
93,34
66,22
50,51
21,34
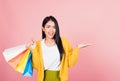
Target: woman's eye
47,26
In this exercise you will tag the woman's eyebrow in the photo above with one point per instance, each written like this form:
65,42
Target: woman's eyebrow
48,25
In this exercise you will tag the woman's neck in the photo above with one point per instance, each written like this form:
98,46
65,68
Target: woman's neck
49,42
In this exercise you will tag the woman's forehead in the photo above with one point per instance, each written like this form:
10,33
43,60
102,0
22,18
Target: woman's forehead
51,23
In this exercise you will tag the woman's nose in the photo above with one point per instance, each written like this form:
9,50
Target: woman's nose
51,28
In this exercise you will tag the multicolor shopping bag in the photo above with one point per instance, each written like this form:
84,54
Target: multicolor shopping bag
19,58
21,65
14,61
28,71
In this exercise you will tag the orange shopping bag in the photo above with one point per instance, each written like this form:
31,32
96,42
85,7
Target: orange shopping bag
14,61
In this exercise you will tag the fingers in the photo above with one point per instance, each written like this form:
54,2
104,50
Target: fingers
32,41
82,45
30,44
89,44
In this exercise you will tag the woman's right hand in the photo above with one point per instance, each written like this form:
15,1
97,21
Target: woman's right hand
30,44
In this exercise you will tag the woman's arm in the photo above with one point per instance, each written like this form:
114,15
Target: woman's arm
73,53
33,47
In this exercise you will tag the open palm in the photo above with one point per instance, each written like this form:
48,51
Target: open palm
82,45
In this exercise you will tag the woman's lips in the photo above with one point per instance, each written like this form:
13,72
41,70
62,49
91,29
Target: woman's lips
51,34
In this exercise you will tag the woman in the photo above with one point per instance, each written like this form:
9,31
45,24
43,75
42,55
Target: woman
53,55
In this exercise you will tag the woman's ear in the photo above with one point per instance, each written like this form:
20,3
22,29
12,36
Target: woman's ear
43,29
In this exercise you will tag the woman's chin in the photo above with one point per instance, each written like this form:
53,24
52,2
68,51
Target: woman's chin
51,37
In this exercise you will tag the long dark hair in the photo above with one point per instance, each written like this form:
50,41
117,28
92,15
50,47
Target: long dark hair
56,36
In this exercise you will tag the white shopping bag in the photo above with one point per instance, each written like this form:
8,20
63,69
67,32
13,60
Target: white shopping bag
13,51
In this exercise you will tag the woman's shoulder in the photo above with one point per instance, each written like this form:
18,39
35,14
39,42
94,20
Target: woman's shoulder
39,40
64,40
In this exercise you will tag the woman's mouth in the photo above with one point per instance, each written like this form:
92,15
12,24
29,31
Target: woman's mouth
51,34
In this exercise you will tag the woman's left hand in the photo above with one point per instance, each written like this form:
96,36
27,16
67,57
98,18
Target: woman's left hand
82,45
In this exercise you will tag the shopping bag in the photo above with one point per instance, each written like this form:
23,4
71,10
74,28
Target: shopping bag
21,65
28,71
13,52
14,61
19,57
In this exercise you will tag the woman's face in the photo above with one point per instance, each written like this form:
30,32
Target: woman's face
49,29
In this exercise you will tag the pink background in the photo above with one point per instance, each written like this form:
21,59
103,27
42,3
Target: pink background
87,21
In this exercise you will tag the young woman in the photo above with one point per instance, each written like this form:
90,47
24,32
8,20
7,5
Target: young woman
53,55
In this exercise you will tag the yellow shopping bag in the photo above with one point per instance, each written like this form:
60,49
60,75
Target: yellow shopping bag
21,65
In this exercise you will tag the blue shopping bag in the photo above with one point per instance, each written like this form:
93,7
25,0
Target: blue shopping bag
28,71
